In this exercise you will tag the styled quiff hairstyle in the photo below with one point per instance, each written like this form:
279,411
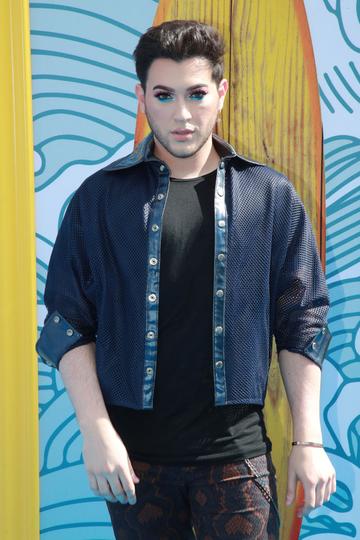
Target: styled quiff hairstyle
179,40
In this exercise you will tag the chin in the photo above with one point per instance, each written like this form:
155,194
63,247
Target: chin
184,153
188,149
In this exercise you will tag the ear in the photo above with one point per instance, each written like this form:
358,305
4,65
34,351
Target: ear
222,89
141,96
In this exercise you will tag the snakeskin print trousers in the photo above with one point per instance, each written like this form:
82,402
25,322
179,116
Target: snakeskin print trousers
204,502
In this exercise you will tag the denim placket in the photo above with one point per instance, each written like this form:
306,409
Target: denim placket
153,286
220,256
318,346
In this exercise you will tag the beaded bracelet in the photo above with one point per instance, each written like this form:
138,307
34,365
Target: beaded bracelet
307,443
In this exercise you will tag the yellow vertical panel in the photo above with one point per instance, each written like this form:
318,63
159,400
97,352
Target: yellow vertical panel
274,105
19,451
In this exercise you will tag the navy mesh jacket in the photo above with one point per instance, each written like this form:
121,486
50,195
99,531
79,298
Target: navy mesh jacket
104,271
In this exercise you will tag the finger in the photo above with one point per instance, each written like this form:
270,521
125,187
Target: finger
116,487
291,486
128,485
334,483
328,487
105,490
134,475
320,492
310,497
93,484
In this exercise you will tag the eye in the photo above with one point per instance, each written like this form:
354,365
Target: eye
164,96
198,95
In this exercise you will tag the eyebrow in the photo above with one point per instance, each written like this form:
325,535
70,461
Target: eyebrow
162,87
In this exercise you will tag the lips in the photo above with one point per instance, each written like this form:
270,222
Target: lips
182,131
182,135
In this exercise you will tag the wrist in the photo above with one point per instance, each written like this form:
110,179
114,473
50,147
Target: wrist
95,427
313,434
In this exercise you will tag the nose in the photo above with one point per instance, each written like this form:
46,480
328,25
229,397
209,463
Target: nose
182,112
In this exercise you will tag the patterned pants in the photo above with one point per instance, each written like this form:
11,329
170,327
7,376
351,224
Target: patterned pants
205,502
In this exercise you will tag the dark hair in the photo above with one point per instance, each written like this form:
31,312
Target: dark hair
179,40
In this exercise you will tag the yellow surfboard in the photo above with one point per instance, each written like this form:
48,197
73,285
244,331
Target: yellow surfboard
271,114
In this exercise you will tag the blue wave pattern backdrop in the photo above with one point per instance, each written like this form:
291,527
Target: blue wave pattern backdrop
335,33
84,117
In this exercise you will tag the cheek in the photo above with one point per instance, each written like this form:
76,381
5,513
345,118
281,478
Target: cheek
205,112
155,108
208,105
160,111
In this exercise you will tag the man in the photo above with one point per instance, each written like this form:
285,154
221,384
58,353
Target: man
170,402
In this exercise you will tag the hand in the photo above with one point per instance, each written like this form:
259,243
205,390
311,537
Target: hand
108,465
314,469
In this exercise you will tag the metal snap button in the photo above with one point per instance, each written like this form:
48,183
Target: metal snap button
162,167
314,345
218,330
221,256
152,297
69,332
222,164
155,227
150,334
219,364
219,292
153,260
149,370
160,196
221,223
56,319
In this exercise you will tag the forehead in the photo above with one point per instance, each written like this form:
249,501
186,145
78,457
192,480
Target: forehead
168,72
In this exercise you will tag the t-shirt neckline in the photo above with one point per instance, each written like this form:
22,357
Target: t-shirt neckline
193,179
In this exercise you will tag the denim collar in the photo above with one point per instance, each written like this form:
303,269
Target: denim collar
144,152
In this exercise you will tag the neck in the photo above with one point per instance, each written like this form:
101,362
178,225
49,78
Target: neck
203,162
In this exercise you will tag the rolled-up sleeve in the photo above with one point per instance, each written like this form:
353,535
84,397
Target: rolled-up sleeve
71,318
302,297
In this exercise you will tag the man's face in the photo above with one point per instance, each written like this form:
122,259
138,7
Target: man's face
181,103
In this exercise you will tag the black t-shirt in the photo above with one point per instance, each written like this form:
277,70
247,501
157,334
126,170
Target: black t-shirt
185,427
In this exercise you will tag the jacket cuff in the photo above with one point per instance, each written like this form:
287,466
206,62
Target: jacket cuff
57,337
316,349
